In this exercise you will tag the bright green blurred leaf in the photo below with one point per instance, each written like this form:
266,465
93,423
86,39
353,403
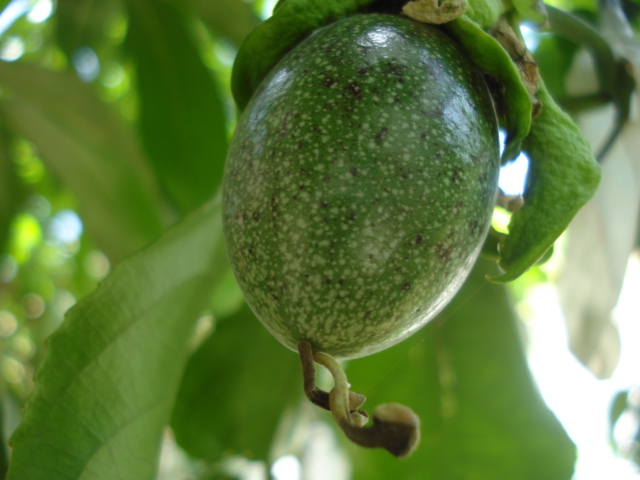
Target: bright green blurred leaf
86,145
571,5
26,235
234,390
181,114
106,387
466,376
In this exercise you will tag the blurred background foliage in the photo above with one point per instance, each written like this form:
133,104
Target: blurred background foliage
115,116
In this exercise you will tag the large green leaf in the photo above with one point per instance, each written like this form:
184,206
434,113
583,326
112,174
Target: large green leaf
181,115
233,19
234,390
107,384
86,145
466,376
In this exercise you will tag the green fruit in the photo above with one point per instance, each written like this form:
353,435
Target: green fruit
360,184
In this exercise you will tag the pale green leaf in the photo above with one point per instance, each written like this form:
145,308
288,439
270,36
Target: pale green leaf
86,146
107,384
562,178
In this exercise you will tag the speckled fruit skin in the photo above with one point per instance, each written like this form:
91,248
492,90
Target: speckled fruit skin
360,184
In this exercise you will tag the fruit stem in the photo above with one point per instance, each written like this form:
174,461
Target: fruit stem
316,395
395,428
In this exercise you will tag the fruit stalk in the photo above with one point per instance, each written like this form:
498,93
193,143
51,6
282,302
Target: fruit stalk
395,428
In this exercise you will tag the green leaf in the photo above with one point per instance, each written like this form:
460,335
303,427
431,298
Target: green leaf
107,384
83,23
583,34
562,178
555,55
234,390
11,190
466,376
181,115
88,148
233,19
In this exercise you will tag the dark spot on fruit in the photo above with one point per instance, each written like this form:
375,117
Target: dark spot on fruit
323,204
423,136
363,71
354,89
352,216
444,252
328,280
380,135
328,82
395,69
367,313
457,174
341,281
275,297
354,172
406,286
418,240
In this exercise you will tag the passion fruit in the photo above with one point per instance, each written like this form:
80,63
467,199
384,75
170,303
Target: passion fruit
360,183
